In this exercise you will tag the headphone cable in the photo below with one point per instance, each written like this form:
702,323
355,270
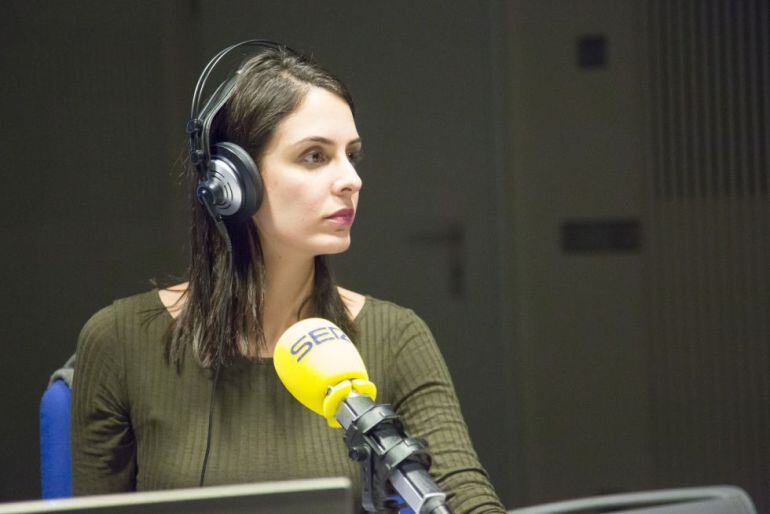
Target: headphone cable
211,420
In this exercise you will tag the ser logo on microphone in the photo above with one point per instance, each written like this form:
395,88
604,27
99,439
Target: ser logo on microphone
313,338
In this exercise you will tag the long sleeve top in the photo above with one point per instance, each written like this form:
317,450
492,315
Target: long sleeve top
139,423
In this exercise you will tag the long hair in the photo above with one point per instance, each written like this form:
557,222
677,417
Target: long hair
221,318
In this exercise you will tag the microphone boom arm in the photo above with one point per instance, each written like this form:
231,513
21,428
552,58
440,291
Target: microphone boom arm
376,439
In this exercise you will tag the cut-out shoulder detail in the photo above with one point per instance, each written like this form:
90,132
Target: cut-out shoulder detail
172,298
353,301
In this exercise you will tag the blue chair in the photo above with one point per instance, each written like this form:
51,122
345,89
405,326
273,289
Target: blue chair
55,460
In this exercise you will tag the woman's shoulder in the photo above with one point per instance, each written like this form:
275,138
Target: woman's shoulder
360,305
132,304
386,308
112,321
385,318
138,307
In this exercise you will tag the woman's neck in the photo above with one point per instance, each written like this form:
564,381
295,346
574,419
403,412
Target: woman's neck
288,284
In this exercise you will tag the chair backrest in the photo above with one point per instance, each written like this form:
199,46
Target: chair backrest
55,460
695,500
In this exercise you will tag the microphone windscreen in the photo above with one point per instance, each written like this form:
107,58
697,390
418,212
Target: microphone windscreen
318,364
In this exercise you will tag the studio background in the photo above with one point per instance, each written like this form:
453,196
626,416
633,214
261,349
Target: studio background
572,193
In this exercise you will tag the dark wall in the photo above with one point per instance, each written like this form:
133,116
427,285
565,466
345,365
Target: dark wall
89,214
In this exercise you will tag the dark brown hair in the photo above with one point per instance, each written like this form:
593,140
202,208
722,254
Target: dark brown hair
221,318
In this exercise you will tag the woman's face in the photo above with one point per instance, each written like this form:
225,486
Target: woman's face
311,185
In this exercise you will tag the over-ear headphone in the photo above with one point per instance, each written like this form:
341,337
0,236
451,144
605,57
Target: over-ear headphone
229,184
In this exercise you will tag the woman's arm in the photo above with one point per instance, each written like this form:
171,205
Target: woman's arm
103,448
426,401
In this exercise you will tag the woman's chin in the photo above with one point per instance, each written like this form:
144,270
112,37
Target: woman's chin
340,245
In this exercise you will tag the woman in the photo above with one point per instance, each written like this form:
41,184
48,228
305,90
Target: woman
175,387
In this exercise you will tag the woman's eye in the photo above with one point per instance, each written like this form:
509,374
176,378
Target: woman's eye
314,157
355,157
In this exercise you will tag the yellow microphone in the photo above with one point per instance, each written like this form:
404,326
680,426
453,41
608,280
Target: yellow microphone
323,370
320,366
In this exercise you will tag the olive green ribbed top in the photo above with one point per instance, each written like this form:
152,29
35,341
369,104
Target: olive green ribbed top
140,424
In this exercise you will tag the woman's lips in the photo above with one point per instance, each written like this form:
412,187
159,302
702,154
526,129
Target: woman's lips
342,217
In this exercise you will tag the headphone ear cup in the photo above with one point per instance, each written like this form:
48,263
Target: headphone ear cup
249,180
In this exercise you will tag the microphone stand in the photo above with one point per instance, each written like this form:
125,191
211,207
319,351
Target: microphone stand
389,458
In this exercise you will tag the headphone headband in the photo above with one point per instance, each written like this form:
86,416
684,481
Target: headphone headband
200,120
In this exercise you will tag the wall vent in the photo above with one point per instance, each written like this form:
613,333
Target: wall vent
709,232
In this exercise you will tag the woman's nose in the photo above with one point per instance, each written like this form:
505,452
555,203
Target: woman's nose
348,180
